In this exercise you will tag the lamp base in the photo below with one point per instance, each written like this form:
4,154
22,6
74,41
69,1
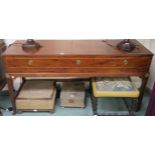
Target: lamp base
31,45
126,45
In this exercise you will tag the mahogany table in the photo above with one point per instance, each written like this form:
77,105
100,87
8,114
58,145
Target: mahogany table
76,58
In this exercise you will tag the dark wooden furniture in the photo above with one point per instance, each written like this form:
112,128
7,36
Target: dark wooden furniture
150,111
76,58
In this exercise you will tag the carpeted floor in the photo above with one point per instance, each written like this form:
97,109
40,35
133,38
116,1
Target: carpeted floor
104,105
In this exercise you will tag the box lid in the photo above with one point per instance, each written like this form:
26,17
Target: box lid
37,89
72,86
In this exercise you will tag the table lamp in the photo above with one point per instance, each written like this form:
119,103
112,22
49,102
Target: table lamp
126,45
30,44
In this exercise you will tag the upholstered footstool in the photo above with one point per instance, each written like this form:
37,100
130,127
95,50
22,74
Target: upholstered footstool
114,87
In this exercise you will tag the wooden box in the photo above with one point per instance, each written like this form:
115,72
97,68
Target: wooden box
37,95
72,94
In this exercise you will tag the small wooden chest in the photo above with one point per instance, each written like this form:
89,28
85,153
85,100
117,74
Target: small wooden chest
72,94
36,95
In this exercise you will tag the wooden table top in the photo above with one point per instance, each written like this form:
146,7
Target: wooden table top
76,47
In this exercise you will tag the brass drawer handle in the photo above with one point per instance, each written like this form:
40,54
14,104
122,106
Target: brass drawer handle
30,62
125,62
78,62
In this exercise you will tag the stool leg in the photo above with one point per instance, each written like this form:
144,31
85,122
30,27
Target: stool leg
133,107
1,113
130,107
142,89
94,105
134,104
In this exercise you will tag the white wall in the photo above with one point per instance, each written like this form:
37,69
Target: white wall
9,41
18,80
152,69
150,44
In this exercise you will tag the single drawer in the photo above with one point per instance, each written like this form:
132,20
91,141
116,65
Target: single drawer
64,62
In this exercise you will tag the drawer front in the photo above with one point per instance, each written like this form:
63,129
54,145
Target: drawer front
76,72
125,62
